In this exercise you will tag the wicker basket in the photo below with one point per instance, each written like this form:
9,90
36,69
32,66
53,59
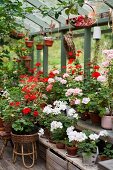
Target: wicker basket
24,138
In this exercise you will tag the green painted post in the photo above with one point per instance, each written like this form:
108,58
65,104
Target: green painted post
87,50
32,57
39,59
63,54
45,60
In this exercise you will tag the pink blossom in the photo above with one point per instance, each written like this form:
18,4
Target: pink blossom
105,64
101,79
109,57
85,100
69,92
63,81
79,78
55,72
77,101
51,80
65,75
49,87
77,91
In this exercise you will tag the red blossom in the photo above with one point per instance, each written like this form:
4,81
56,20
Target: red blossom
70,53
71,60
77,55
12,103
78,66
17,104
96,67
32,97
80,73
38,64
26,110
73,71
51,75
78,51
95,74
35,113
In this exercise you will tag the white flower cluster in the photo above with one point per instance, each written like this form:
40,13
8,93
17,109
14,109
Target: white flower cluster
56,125
59,106
79,78
51,80
85,100
73,135
72,113
41,132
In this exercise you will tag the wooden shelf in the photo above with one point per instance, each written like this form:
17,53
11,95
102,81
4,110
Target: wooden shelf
77,161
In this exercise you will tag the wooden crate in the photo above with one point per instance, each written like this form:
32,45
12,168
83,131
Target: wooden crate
42,150
54,161
72,167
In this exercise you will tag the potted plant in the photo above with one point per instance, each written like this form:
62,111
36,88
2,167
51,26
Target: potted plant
48,41
58,134
107,152
87,146
28,42
39,43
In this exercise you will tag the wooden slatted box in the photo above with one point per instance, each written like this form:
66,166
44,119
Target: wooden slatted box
72,167
54,161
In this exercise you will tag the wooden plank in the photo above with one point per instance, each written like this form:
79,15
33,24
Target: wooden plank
54,165
56,159
72,167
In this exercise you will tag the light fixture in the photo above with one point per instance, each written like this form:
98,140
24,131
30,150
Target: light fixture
97,33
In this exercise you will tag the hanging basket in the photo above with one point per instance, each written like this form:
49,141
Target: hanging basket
39,46
29,44
48,41
81,21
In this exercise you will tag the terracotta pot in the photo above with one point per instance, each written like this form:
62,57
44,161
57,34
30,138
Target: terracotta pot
20,35
60,145
29,44
72,151
27,61
106,122
95,119
39,46
48,42
85,116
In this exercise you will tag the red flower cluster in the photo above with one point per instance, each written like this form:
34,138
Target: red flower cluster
95,74
14,104
26,110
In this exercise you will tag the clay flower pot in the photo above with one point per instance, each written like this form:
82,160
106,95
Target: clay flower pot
71,150
60,145
106,122
95,119
48,41
29,44
39,46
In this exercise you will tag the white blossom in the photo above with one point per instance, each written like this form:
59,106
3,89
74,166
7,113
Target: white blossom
85,100
48,109
77,101
69,129
70,112
79,78
101,78
56,125
41,132
103,133
93,136
65,75
55,72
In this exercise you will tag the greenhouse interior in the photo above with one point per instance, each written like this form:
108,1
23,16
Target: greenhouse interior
56,84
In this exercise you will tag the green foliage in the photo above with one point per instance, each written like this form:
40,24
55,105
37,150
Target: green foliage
108,151
58,135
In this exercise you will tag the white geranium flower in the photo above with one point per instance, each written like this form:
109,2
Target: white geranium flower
77,101
71,112
81,137
85,100
56,111
79,78
55,72
41,132
75,116
103,133
65,75
94,136
63,81
69,129
48,109
56,125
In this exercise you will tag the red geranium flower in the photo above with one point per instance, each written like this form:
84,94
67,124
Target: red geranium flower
17,104
38,64
35,113
78,66
26,110
71,60
70,53
95,74
96,67
32,97
11,103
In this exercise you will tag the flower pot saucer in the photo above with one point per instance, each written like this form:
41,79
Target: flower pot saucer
72,156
